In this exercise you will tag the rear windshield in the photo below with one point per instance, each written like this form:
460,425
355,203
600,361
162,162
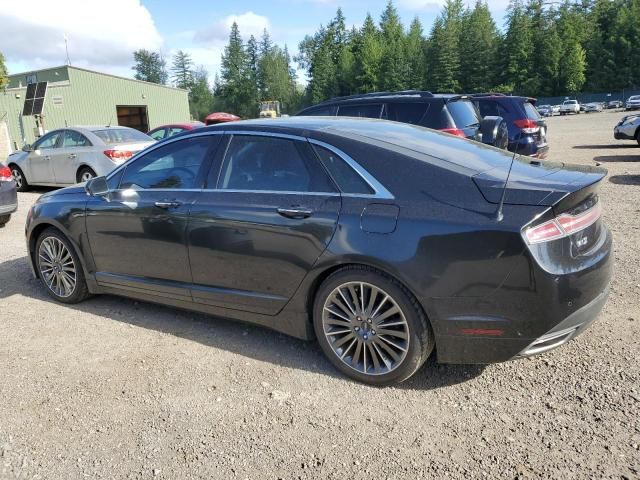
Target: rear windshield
463,113
531,111
634,97
122,135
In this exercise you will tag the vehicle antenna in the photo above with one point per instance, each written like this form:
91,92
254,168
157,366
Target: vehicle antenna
499,215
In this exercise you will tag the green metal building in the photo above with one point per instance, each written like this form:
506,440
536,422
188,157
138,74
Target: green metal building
76,96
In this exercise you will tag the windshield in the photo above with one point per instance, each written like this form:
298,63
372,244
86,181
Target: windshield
112,136
570,102
634,97
463,113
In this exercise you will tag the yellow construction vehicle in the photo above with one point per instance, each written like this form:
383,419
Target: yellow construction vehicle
270,109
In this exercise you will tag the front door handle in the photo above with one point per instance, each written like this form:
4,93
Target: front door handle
295,212
73,155
168,204
47,157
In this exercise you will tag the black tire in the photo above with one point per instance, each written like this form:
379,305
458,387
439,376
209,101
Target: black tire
638,136
83,173
418,331
80,291
4,219
21,181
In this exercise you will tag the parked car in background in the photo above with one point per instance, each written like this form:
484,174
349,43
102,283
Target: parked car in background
555,109
388,241
633,103
75,154
8,195
545,110
593,107
628,128
220,117
166,131
569,106
453,114
615,104
527,130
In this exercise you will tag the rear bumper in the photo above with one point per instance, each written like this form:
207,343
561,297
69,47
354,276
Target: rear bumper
5,209
529,146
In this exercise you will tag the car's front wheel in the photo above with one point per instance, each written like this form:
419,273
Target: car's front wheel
370,326
59,267
4,219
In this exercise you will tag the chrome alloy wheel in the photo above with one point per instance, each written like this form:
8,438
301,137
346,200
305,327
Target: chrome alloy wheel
57,268
365,328
17,177
86,176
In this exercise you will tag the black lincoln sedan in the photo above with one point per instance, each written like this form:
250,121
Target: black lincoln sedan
382,240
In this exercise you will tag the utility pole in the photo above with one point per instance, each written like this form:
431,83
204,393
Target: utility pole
66,48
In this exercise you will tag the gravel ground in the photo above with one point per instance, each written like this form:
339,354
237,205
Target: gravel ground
113,388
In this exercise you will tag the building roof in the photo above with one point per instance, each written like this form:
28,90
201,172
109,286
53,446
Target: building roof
71,67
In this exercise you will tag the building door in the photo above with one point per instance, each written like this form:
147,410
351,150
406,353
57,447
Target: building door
133,116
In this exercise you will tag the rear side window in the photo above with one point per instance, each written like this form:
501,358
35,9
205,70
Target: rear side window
346,177
74,139
405,112
113,136
436,117
463,113
326,111
256,163
531,111
371,110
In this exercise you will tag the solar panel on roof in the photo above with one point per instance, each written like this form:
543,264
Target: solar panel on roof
31,91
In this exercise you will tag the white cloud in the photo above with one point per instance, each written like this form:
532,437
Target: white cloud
100,35
249,24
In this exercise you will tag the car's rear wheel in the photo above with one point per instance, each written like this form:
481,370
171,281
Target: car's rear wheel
638,136
85,174
21,182
370,326
59,267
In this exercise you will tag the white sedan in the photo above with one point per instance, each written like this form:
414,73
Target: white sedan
628,128
76,154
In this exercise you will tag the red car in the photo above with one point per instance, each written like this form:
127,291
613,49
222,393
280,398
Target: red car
220,117
166,131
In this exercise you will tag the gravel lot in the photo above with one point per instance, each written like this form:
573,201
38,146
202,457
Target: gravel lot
113,388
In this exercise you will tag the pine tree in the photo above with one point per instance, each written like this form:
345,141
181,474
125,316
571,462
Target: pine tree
150,67
182,70
415,54
479,43
236,88
393,62
517,48
4,76
368,53
201,97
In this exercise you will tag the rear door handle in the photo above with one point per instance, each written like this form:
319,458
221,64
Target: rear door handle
47,157
295,212
168,204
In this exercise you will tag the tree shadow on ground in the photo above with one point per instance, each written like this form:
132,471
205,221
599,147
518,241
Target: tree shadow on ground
251,341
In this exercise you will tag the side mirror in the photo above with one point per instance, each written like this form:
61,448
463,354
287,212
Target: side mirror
494,132
27,148
97,187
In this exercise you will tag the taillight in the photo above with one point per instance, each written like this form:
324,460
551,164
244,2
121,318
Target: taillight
453,131
5,174
563,225
118,155
527,125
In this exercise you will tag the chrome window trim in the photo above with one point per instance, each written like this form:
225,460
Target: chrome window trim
380,190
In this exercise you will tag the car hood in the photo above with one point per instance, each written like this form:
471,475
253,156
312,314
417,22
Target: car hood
534,182
73,190
16,156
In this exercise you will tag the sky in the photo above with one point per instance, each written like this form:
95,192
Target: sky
101,35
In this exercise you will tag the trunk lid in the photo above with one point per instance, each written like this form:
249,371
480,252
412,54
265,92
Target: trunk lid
534,182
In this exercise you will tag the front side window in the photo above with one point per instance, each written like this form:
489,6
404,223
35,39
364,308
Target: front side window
48,141
158,134
172,166
174,131
258,163
74,139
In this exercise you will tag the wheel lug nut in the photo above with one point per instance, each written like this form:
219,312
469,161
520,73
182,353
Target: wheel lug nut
368,320
357,329
373,332
366,337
